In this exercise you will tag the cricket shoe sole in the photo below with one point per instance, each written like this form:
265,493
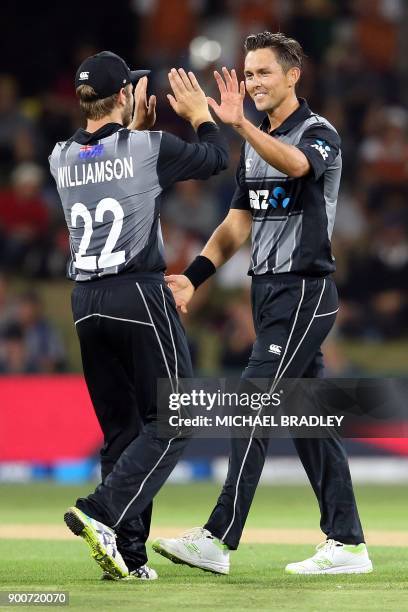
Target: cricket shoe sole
141,573
101,541
367,568
165,549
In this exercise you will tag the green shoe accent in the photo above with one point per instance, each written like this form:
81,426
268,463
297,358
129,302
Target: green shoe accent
192,548
161,550
323,563
355,549
84,517
81,524
129,578
107,576
220,544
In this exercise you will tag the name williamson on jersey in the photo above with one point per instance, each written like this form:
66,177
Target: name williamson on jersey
95,172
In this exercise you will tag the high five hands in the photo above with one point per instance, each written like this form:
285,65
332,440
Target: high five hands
190,102
188,99
231,107
144,116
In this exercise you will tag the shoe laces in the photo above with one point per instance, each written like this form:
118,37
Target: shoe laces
325,547
143,570
194,534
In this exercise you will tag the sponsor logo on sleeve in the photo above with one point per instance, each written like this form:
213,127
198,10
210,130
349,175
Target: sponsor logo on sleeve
322,147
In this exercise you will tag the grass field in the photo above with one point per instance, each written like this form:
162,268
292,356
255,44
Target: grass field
257,580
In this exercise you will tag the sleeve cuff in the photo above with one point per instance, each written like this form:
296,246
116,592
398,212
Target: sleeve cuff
207,127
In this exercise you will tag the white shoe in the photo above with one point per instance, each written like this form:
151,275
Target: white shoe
334,558
196,548
144,572
100,539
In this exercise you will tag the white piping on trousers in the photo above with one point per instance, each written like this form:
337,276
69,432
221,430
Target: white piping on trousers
276,380
172,339
326,314
157,335
96,314
171,440
302,338
142,485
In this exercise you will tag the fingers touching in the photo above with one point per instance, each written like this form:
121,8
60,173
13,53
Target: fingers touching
182,82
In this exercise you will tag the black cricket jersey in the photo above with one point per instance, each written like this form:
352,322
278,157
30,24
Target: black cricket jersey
110,183
292,218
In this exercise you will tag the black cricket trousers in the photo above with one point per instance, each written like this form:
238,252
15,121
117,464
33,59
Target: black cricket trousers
130,335
293,314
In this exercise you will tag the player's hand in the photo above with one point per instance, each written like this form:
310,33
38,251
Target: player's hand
182,290
231,107
144,116
189,100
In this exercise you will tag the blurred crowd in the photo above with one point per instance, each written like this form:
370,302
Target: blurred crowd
354,75
29,343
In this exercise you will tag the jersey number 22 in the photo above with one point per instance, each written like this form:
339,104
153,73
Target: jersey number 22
107,258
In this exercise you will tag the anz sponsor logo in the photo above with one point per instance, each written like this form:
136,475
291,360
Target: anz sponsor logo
322,147
261,199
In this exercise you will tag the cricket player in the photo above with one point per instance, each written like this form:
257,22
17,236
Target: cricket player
110,178
287,185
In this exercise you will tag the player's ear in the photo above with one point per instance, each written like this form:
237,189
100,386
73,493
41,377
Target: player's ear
122,96
293,76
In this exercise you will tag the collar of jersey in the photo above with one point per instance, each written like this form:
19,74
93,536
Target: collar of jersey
83,137
299,115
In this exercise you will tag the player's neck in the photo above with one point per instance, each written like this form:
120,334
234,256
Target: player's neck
279,114
93,126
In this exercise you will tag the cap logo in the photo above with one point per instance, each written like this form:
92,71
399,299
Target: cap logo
83,76
124,81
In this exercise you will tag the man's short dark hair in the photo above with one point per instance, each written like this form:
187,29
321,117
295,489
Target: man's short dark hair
289,53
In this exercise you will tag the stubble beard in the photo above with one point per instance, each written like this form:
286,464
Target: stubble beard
127,114
272,105
267,106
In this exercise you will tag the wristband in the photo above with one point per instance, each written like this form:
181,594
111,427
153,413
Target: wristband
199,270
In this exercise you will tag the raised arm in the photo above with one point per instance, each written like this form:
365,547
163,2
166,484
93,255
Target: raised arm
285,157
179,160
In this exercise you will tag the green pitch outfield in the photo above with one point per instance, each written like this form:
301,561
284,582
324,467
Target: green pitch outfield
34,555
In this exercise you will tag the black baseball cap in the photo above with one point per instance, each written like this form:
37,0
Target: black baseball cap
106,73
